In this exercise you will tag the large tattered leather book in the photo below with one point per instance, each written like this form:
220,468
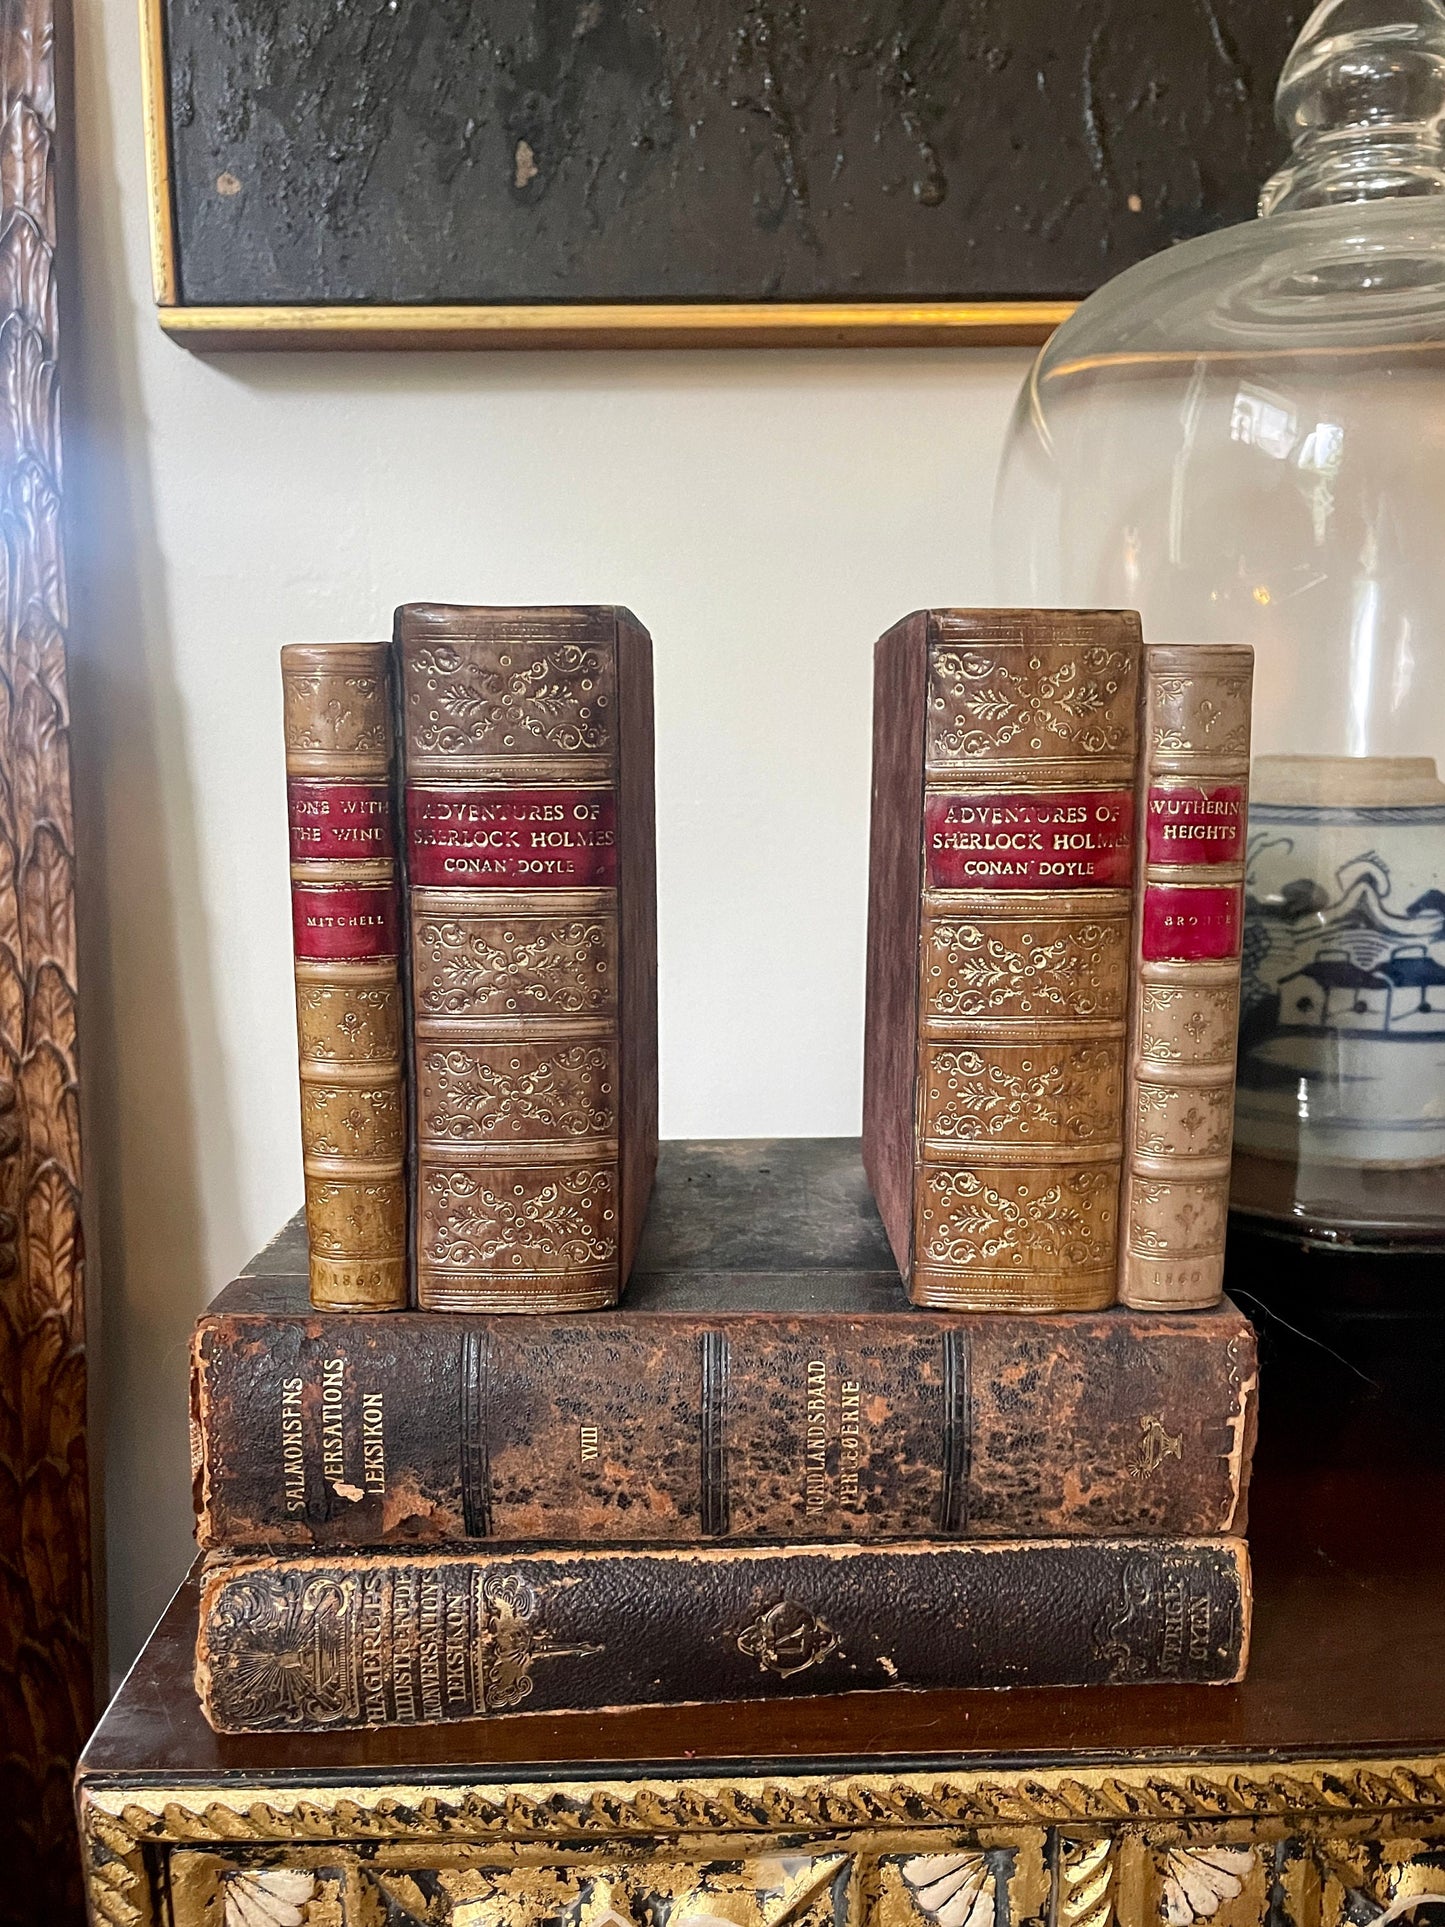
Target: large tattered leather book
790,1410
1000,892
1193,795
375,1640
346,922
526,738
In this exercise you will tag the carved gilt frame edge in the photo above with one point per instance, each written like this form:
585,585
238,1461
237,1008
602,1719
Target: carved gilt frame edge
1104,1795
119,1823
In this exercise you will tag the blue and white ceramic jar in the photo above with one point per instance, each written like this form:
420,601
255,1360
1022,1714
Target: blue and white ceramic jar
1342,1017
1243,439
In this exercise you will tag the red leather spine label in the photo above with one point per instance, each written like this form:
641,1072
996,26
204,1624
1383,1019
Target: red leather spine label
1195,826
348,921
1043,840
532,839
1184,923
346,820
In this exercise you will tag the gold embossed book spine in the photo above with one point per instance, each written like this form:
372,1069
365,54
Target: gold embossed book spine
1001,880
531,901
412,1638
346,925
1193,798
788,1414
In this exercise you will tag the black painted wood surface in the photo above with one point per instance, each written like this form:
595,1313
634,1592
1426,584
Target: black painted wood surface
494,151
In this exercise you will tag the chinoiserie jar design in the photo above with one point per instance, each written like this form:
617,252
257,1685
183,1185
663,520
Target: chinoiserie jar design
1342,1014
1243,438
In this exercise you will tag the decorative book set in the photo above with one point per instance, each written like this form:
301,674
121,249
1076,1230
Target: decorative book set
743,1489
522,776
1056,877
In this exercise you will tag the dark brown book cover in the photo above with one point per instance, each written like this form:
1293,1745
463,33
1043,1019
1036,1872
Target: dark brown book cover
1001,881
527,753
374,1640
781,1413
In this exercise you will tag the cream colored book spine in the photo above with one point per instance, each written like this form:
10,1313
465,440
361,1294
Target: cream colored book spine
1192,820
346,925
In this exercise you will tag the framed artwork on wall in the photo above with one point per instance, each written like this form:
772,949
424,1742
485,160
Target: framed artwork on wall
642,172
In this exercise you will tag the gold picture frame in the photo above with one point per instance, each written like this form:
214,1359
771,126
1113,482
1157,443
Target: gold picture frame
716,324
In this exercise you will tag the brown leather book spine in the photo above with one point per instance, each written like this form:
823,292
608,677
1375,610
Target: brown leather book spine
527,752
346,925
1005,752
656,1427
312,1645
890,1033
1193,801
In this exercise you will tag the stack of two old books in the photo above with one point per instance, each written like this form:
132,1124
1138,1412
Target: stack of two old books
763,1474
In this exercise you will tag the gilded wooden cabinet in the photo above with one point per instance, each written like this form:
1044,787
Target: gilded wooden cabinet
1313,1844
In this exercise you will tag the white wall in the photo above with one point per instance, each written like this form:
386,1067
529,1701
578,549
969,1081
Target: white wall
766,514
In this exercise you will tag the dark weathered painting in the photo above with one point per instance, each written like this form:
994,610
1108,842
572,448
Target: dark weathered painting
441,152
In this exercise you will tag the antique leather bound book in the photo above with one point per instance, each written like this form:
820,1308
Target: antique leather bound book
382,1640
1193,796
772,1416
526,741
346,926
1000,889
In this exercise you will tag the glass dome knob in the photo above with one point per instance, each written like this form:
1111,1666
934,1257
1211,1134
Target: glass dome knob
1243,437
1362,99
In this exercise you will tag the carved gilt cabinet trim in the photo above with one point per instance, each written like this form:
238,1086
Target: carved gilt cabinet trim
1302,1844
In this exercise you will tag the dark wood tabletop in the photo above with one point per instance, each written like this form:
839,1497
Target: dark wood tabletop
1348,1659
1347,1530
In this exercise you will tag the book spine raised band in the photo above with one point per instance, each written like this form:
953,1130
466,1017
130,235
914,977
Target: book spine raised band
637,1427
514,730
346,928
1018,1001
1193,797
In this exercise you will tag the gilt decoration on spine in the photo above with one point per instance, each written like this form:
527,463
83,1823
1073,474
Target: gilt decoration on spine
526,737
1193,793
812,1420
1001,882
373,1639
346,923
46,1666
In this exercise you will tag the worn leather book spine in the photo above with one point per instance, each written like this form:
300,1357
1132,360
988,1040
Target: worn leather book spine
629,1428
315,1644
346,925
531,898
1193,800
1001,887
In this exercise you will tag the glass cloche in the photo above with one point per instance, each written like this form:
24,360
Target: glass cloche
1244,439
